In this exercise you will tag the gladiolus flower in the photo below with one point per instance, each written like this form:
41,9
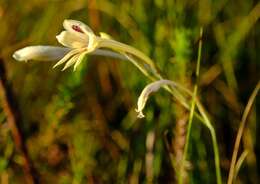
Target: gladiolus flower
78,41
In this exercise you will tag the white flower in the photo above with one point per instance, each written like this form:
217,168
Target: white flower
78,40
150,88
79,36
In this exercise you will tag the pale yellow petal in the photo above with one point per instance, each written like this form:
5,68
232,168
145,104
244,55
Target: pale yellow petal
66,57
72,61
150,88
72,40
40,53
81,58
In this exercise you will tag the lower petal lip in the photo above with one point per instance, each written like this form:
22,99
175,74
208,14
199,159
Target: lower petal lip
40,53
17,56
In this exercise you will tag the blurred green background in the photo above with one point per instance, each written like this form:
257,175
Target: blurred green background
81,127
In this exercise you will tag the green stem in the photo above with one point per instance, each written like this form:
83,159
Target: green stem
181,174
199,53
214,141
123,48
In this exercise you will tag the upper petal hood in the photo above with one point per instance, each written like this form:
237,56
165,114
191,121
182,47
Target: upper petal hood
77,27
80,29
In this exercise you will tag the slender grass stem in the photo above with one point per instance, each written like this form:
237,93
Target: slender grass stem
214,141
181,175
182,166
240,162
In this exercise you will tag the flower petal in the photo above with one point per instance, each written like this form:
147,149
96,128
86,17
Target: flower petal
79,28
76,27
72,40
81,58
67,57
71,62
40,53
150,88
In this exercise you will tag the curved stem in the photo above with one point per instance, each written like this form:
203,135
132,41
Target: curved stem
214,141
123,48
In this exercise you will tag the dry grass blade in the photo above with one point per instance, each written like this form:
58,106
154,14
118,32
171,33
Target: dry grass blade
240,161
14,122
240,132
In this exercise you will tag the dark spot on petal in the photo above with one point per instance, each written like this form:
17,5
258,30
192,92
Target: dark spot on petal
77,28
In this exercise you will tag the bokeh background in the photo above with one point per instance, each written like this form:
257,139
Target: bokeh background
81,127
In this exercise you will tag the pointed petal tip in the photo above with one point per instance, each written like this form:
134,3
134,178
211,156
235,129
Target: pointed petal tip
140,114
60,36
64,68
75,68
18,55
54,66
57,64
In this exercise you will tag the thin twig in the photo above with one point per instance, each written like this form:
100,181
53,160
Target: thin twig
240,133
14,122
